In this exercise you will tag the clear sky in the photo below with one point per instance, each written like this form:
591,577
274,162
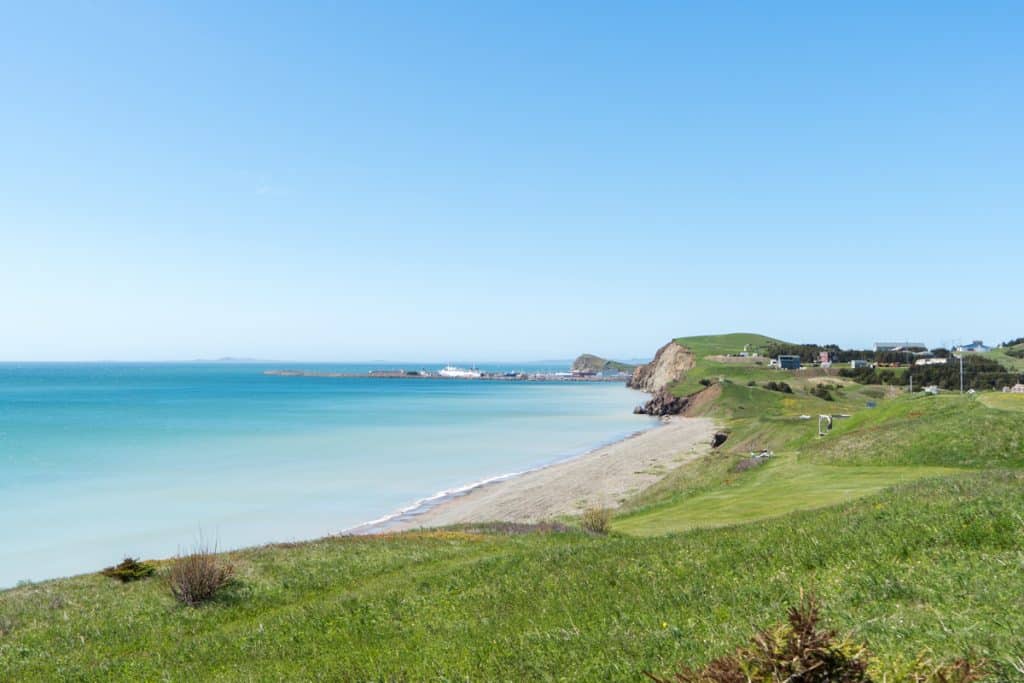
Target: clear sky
515,180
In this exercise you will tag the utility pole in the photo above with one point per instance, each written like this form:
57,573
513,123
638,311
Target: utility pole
961,373
911,385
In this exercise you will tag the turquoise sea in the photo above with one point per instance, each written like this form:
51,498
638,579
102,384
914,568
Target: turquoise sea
99,461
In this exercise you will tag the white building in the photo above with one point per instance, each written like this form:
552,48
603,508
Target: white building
976,346
931,361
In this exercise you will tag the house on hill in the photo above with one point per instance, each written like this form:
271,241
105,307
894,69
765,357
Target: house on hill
976,346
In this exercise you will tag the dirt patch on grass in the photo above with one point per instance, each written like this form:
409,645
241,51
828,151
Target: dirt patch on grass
700,401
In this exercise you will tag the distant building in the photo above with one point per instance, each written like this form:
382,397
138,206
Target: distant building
933,390
824,357
1017,388
931,361
789,362
976,346
883,347
858,364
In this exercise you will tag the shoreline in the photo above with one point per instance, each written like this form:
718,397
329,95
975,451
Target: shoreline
603,476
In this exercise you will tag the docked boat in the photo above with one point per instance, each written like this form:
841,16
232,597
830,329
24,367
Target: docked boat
459,373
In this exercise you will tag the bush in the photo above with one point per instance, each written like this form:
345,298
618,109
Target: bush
705,382
198,577
751,383
799,651
130,569
779,386
822,392
597,520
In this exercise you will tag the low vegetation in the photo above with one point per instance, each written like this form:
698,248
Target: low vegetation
822,391
199,576
597,520
130,569
802,651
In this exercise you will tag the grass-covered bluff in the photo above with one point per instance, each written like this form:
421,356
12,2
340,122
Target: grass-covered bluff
907,522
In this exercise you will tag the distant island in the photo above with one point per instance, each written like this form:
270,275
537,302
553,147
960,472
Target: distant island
589,363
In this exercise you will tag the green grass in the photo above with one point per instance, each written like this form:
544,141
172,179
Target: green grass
776,488
945,430
1008,361
935,565
1001,401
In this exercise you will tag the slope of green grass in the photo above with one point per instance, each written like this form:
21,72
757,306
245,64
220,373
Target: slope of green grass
725,344
1006,360
902,438
775,488
1001,401
946,430
935,564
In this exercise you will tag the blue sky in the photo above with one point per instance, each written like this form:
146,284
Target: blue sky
482,181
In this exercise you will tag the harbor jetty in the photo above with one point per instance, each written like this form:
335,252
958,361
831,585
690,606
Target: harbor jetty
475,375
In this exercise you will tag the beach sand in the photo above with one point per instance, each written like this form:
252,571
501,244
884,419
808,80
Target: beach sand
602,478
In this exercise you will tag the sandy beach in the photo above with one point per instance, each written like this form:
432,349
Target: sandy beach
604,477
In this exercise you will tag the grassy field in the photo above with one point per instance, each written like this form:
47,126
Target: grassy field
907,520
1001,401
778,487
1012,362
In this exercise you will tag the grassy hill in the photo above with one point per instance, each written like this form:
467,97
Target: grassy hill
907,520
1012,357
588,362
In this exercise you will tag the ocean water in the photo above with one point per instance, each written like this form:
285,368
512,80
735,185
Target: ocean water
100,461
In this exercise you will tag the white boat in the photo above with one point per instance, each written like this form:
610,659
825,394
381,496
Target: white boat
459,373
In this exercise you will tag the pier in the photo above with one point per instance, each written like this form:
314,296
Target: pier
429,375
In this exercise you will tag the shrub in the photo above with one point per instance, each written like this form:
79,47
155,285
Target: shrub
199,576
822,392
130,569
799,651
705,382
779,386
597,520
751,383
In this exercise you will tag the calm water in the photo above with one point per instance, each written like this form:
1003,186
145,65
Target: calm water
100,461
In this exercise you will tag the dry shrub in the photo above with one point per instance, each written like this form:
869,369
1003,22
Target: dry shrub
198,577
597,520
130,569
799,651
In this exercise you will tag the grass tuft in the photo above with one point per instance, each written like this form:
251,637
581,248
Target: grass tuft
199,576
597,520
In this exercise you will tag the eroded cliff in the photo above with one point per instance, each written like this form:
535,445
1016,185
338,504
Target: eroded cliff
669,365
